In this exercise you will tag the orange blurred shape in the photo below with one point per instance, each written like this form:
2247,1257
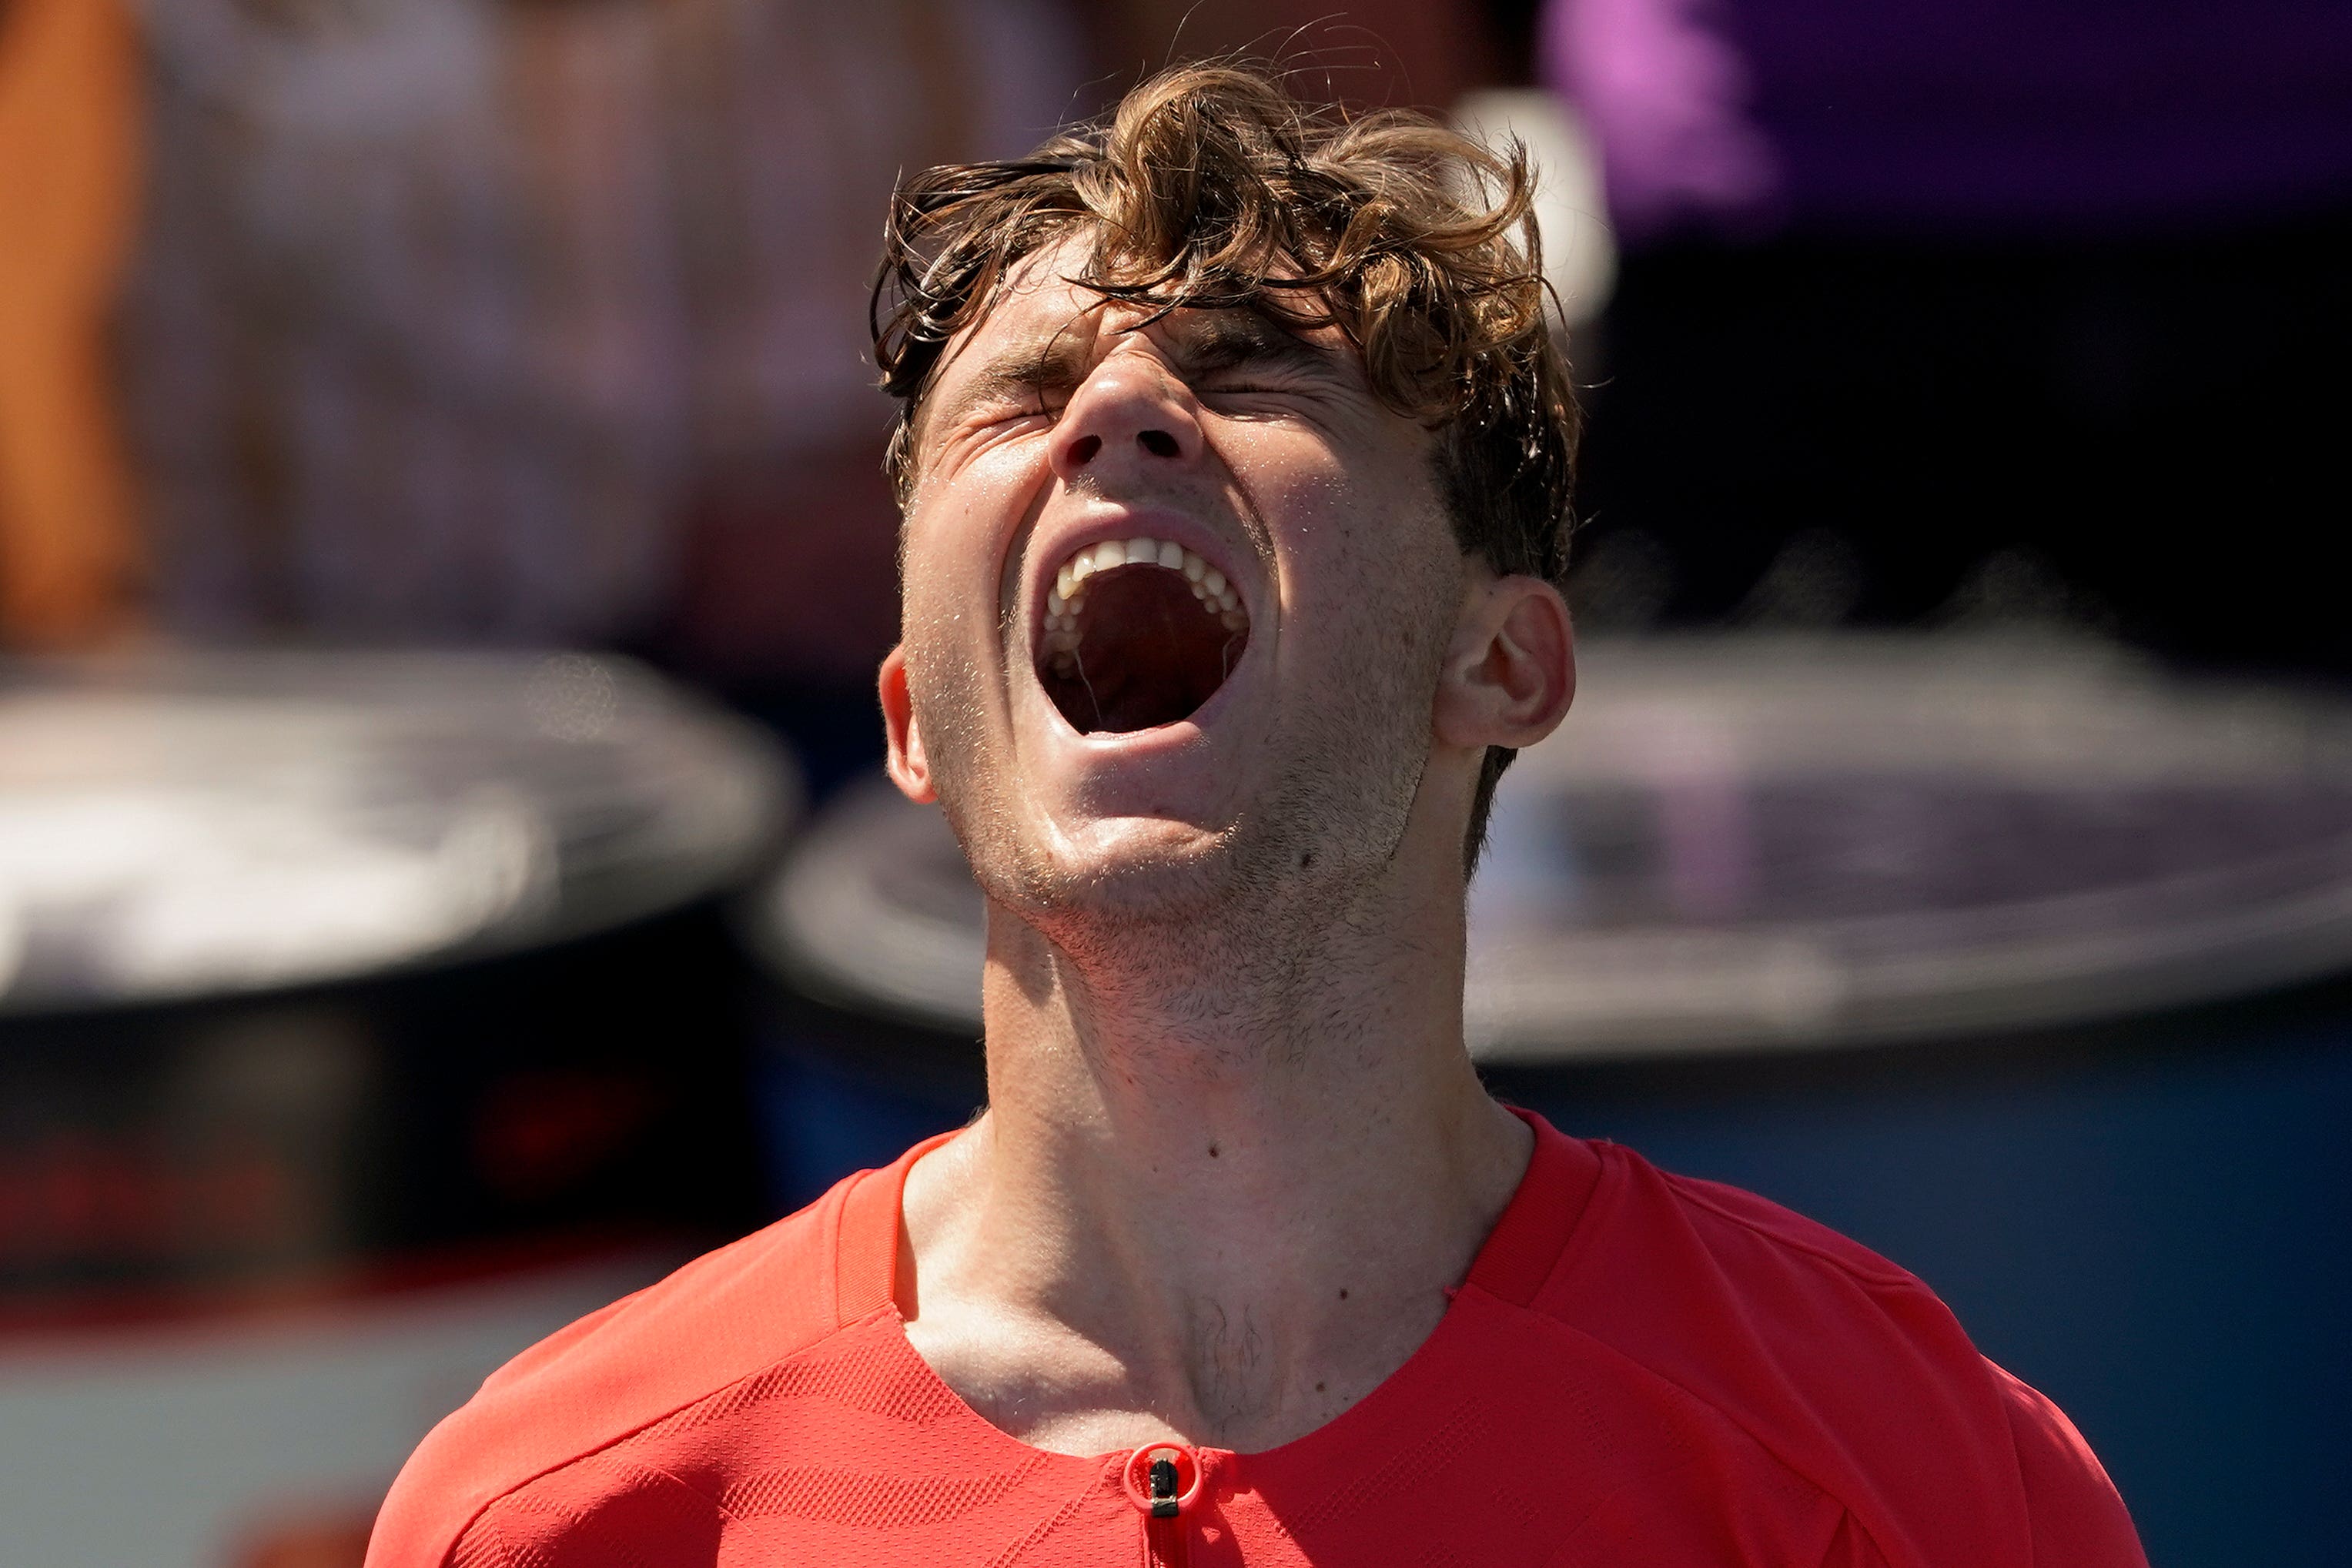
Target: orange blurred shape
68,195
325,1540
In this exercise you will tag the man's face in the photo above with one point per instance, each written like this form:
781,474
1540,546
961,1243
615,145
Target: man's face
1176,602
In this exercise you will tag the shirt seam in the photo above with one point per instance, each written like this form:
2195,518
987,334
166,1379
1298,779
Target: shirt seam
715,1505
1868,1534
1845,1512
831,1251
1608,1188
1728,1415
582,1455
1607,1184
1521,1229
1895,1275
2017,1468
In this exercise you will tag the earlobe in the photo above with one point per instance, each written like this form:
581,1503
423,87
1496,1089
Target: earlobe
1511,671
908,768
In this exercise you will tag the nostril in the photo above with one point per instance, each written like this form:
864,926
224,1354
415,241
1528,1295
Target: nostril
1083,450
1158,442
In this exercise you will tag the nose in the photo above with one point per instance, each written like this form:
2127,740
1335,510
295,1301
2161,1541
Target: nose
1128,419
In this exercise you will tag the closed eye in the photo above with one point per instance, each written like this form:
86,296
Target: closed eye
995,419
1272,397
1271,386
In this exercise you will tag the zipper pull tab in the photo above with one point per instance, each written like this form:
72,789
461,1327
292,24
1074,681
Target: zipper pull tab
1164,1491
1163,1478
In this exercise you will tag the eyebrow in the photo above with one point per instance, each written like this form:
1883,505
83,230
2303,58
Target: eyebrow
1200,341
1208,340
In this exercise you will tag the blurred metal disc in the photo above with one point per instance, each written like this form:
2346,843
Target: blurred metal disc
1756,842
876,910
188,825
1761,843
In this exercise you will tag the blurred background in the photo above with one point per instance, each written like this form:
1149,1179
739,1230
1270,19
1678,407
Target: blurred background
444,553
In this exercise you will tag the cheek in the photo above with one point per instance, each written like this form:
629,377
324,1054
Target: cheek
955,538
1368,553
1310,503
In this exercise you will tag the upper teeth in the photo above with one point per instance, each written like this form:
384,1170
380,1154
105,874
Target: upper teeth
1069,589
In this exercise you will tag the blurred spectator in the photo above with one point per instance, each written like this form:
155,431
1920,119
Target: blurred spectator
521,321
2032,311
542,320
68,157
1371,52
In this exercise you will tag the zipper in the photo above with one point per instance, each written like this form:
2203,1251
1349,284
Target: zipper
1166,1542
1163,1480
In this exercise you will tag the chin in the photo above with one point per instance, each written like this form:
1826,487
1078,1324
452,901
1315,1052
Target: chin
1117,875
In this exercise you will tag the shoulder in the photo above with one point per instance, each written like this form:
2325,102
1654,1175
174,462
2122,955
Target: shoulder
720,1318
1845,1368
2073,1510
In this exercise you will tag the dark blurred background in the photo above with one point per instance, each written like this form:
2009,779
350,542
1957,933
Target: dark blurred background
443,555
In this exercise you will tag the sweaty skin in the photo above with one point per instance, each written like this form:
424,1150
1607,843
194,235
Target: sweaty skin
1235,1153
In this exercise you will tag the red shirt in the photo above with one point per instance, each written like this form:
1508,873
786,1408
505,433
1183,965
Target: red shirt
1640,1371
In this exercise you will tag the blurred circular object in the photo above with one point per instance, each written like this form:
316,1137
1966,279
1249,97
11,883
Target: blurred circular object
876,910
313,959
1763,842
185,826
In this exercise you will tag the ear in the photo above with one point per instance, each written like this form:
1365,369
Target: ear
1510,671
908,768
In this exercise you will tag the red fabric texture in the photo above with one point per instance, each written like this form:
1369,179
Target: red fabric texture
1640,1369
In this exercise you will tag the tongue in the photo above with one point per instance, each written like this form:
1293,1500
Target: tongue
1149,653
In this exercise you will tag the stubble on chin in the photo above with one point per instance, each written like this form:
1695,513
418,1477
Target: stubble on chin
1260,889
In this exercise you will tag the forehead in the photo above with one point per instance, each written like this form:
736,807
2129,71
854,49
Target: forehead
1049,328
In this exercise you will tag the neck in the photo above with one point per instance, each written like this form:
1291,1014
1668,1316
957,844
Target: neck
1217,1198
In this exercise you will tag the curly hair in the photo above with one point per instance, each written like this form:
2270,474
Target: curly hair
1210,187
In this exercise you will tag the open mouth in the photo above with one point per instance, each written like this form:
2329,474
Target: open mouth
1138,633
